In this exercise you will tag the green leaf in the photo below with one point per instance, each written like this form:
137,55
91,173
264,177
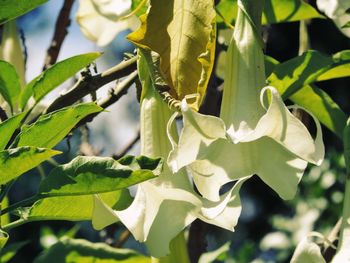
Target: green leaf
276,11
9,251
8,127
219,253
91,175
10,86
141,9
292,75
82,251
3,238
55,75
322,106
340,69
10,9
51,128
14,162
75,208
309,97
182,32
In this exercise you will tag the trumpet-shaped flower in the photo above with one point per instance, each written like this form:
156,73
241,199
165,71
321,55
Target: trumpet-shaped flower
10,49
256,133
164,206
102,20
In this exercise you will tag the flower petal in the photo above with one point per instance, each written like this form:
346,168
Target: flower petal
278,168
307,251
219,163
199,130
226,212
97,27
112,9
103,215
281,125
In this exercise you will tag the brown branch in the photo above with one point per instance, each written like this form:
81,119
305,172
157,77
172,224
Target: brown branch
62,23
197,243
120,90
87,84
114,95
127,148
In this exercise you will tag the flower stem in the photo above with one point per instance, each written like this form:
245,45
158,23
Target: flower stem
178,251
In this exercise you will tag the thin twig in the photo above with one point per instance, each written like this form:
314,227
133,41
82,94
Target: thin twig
62,23
124,236
120,90
127,148
87,84
113,97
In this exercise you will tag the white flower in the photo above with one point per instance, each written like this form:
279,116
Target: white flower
102,20
11,50
164,206
256,133
339,11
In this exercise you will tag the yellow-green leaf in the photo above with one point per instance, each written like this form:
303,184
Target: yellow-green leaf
182,32
17,161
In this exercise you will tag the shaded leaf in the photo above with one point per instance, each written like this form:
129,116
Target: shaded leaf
54,76
183,34
322,106
9,251
10,86
91,175
275,11
8,127
82,251
51,128
10,9
75,208
14,162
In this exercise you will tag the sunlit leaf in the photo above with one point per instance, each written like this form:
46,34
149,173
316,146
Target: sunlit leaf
312,66
10,9
15,162
51,128
91,175
340,69
293,74
3,238
54,76
10,86
276,11
8,127
82,251
322,106
140,5
183,34
75,208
